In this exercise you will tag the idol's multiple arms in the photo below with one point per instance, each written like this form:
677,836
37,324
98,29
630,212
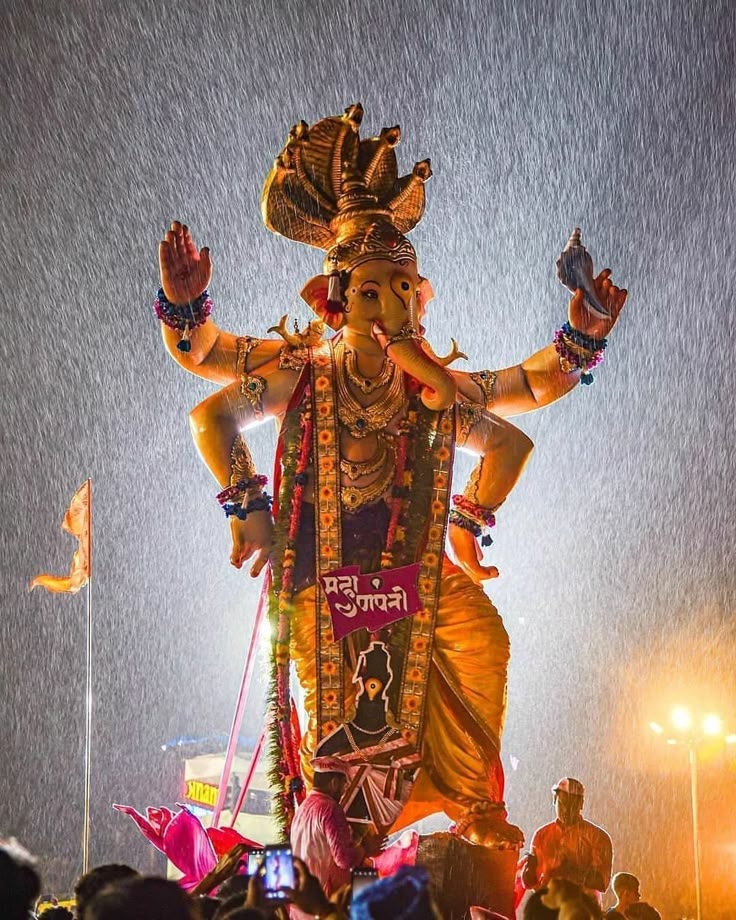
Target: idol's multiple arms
503,452
216,426
540,380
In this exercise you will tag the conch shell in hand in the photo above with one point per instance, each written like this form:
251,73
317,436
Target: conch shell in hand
575,270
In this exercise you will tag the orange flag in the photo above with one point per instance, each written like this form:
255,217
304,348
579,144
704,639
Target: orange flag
78,522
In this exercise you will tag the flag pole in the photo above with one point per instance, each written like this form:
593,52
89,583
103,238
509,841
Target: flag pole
88,705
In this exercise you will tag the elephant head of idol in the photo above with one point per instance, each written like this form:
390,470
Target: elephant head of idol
342,194
379,298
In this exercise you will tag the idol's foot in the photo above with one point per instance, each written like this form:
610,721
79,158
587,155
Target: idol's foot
485,824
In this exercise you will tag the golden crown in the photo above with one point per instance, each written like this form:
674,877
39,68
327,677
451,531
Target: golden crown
330,189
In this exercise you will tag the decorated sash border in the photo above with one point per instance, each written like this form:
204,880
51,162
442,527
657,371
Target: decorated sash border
415,676
328,537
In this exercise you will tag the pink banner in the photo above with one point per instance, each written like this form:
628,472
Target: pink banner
370,601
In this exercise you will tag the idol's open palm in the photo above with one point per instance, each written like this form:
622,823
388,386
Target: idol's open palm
185,270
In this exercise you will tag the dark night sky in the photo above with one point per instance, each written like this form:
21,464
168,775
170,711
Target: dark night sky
616,550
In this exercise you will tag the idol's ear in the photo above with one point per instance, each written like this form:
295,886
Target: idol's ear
424,293
314,293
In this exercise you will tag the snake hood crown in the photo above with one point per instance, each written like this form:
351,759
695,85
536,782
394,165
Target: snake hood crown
332,190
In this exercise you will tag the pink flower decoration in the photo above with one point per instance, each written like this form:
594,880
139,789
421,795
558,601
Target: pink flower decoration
183,839
225,838
401,853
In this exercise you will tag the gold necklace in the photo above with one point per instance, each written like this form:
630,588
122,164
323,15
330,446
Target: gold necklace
383,730
363,420
366,384
354,497
354,469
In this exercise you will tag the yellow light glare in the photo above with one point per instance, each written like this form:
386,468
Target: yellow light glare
672,741
712,725
681,718
656,728
730,739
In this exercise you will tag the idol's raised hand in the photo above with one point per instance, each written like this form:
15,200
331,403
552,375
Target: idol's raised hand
185,270
590,321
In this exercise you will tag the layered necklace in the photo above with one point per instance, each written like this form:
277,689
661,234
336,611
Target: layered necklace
355,469
361,420
366,385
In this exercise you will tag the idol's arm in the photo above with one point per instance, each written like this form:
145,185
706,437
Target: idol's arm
504,451
189,333
216,426
547,375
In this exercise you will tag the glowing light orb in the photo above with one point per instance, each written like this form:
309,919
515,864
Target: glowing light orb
681,718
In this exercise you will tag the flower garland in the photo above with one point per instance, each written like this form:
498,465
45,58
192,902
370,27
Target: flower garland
284,742
402,487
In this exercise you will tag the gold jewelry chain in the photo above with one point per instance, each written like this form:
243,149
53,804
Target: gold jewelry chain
354,469
386,731
365,384
354,497
363,420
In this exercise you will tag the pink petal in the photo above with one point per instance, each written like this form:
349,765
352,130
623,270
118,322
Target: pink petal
149,831
187,845
225,838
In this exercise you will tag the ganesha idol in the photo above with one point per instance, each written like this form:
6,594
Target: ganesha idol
401,656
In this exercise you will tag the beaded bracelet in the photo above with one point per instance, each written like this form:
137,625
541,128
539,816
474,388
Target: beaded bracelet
234,499
238,489
459,520
183,317
483,516
473,517
242,510
578,352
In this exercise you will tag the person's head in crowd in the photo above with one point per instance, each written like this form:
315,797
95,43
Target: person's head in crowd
95,880
569,797
642,911
569,900
229,904
243,913
236,884
141,899
330,782
403,896
579,909
205,907
20,884
57,913
626,888
535,909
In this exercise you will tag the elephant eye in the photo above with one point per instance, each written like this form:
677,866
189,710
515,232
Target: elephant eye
371,295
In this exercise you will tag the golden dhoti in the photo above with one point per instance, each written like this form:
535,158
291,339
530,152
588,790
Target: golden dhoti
466,698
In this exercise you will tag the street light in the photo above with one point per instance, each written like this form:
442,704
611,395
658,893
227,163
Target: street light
691,737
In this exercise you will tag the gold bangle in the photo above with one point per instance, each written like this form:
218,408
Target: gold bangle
406,332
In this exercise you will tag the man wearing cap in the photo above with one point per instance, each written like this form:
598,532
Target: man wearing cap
570,847
320,833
